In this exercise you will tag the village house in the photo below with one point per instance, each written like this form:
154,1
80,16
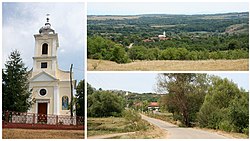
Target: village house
153,106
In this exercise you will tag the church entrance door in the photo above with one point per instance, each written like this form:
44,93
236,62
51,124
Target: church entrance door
42,112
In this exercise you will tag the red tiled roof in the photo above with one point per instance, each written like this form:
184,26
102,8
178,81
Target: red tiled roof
154,104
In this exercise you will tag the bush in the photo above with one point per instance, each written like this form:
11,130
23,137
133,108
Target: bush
246,131
104,104
134,121
226,126
131,116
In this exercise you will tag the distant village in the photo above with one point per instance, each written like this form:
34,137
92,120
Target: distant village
159,38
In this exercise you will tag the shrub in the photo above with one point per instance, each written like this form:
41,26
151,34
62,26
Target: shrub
246,131
225,126
134,121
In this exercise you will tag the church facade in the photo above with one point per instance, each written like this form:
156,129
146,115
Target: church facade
51,87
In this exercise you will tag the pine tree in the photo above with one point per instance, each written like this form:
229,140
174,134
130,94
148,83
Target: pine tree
16,93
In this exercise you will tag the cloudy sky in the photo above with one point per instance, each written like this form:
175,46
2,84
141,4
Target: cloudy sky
22,20
146,82
134,8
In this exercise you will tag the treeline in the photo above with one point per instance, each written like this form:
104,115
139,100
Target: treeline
101,48
205,101
178,23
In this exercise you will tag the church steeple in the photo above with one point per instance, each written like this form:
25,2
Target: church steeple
47,28
46,44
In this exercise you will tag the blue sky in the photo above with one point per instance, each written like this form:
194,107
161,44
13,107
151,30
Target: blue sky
146,82
22,20
133,8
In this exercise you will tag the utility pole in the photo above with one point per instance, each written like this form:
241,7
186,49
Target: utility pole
71,87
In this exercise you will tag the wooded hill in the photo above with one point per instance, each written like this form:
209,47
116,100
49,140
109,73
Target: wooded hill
188,37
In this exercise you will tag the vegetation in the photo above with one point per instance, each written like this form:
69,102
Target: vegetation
206,101
107,114
188,37
186,94
190,99
114,125
80,98
16,93
134,121
229,114
170,65
105,104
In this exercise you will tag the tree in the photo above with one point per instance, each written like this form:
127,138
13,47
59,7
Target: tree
80,98
119,55
225,107
137,53
90,89
186,94
16,93
104,104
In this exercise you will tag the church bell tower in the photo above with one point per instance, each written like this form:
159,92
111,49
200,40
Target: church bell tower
51,87
45,55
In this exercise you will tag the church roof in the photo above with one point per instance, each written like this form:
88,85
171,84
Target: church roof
44,75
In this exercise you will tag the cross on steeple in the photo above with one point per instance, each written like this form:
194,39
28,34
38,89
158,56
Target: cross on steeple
47,18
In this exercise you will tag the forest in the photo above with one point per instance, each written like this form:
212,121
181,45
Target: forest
187,37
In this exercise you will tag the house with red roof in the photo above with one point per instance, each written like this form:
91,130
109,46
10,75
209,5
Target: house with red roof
153,106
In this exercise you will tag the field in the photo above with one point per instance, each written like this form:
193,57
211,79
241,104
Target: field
114,127
42,134
171,65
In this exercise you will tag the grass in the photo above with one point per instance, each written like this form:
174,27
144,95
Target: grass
170,65
152,133
113,125
109,125
42,134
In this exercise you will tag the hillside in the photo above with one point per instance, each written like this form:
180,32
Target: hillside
151,37
157,23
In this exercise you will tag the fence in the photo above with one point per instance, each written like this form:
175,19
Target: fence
33,120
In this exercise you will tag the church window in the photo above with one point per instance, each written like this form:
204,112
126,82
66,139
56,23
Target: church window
42,92
44,65
65,103
45,48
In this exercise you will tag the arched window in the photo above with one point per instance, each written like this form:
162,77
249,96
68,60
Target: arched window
45,48
65,103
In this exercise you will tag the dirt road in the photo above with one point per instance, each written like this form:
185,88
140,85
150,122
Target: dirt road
175,132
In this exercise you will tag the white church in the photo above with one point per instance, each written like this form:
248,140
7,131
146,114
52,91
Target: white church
51,88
